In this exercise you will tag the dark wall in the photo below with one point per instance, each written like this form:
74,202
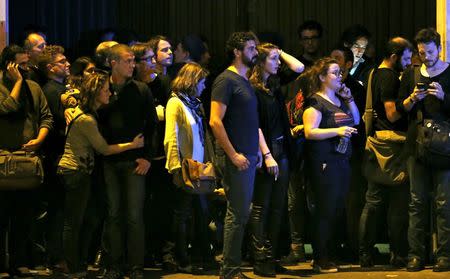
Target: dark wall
66,22
71,22
216,19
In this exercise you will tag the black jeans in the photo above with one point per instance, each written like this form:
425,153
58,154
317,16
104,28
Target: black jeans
397,198
186,204
269,196
423,181
159,212
329,181
125,192
17,210
77,186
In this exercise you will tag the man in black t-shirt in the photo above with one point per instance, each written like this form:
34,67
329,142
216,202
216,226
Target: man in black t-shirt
385,88
234,122
434,103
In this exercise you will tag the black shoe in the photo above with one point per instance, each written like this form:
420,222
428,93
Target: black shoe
279,269
397,261
211,265
365,261
325,267
264,269
414,264
295,256
137,274
169,264
112,274
238,275
441,265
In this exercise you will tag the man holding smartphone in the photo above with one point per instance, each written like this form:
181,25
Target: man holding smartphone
432,102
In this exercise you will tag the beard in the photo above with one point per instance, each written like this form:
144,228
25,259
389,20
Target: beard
398,66
249,62
431,64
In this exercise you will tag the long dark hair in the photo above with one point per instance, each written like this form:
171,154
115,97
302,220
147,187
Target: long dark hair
90,89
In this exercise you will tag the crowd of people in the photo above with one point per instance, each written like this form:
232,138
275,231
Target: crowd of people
113,131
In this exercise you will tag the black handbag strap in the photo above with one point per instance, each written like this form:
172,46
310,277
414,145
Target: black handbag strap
71,122
369,104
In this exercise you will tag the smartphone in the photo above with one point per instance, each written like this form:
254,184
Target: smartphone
422,86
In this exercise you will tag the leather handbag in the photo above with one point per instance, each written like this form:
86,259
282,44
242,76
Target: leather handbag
198,178
20,170
433,143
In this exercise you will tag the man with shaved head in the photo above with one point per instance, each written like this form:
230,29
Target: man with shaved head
34,44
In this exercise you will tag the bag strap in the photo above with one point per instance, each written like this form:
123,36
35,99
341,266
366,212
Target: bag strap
369,105
71,122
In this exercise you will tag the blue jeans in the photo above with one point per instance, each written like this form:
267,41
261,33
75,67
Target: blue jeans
424,180
125,193
238,186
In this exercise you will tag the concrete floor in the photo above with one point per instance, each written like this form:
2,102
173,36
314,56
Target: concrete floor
305,270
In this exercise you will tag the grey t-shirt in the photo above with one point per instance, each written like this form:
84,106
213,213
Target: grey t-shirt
83,138
241,118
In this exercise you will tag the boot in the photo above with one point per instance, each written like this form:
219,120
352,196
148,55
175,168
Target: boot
264,264
296,255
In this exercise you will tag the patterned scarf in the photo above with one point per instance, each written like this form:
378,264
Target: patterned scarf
195,106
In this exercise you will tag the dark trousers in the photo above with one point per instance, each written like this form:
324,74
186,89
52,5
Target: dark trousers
125,192
77,186
269,198
159,212
423,181
238,186
396,198
329,182
17,209
186,204
297,206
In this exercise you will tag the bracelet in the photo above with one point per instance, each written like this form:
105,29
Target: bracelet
266,154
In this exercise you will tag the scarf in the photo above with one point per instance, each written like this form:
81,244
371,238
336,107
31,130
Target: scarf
195,106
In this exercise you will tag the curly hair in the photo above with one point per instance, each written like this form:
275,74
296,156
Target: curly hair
256,77
313,74
90,89
47,56
237,41
188,78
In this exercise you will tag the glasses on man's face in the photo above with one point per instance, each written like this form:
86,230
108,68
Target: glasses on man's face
147,59
359,47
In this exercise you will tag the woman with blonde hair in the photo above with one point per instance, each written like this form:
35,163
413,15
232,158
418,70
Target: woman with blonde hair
185,139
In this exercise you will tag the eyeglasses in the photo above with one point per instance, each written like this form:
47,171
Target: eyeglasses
337,73
360,47
147,59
